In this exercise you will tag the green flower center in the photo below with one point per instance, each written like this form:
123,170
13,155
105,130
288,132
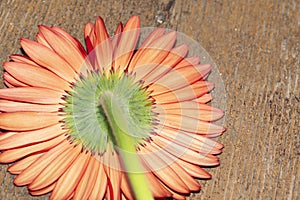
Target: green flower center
86,118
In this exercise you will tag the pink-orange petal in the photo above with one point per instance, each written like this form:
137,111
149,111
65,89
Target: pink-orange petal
31,137
189,181
195,60
22,59
30,173
189,141
84,189
103,50
21,165
204,98
172,133
9,85
126,189
89,27
116,38
12,155
67,36
127,43
42,191
12,81
193,170
52,61
176,54
14,106
41,39
64,47
100,31
192,109
164,95
25,121
35,76
189,124
154,35
89,36
176,195
112,169
56,168
67,183
32,95
183,76
147,59
186,154
99,188
151,159
156,187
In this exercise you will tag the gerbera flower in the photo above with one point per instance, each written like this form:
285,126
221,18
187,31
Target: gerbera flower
109,121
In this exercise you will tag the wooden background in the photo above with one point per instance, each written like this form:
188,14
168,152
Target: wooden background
256,46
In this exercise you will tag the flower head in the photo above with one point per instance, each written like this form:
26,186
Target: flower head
102,122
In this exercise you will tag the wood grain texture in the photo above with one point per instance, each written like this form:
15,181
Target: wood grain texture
256,45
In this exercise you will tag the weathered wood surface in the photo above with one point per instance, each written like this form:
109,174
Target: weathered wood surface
256,45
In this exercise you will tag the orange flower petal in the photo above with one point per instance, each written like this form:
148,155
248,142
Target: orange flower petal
191,109
25,121
100,31
42,191
152,160
112,169
84,189
175,195
156,187
195,60
56,168
176,54
183,76
68,37
193,170
127,43
35,76
191,141
189,181
55,146
4,135
164,95
12,81
22,59
116,38
186,154
154,35
103,47
31,137
204,98
64,47
32,95
41,39
12,155
67,183
8,84
126,189
89,36
147,59
189,124
89,27
13,106
52,61
99,188
21,165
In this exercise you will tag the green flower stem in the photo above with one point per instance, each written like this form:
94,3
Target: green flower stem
118,122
